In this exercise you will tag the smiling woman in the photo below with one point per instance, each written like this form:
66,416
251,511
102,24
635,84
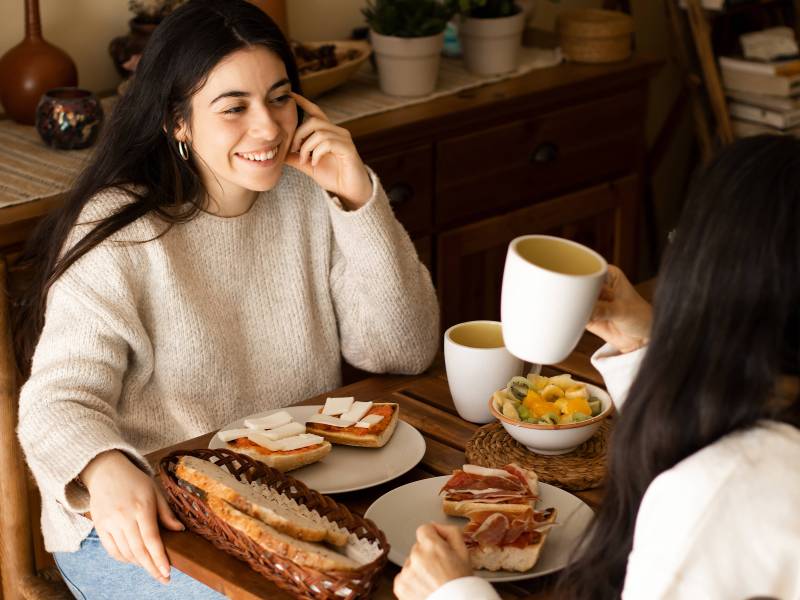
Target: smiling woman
218,257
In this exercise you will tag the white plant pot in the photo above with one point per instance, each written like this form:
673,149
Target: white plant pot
407,66
491,46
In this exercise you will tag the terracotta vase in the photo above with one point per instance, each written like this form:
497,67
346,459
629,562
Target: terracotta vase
31,68
124,47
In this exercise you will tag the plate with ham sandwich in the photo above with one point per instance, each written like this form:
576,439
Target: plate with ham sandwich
341,446
514,527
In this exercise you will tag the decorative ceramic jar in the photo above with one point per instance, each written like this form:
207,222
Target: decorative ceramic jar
69,118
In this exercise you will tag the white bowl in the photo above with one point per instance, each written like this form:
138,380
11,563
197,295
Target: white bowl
557,439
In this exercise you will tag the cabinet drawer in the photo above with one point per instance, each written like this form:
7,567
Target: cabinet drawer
407,177
531,159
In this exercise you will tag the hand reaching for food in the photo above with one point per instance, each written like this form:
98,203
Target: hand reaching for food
326,153
126,507
621,316
439,556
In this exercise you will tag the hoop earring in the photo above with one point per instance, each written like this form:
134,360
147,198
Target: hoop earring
183,150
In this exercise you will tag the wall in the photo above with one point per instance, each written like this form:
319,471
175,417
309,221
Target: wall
86,39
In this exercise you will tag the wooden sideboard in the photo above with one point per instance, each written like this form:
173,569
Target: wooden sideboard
559,151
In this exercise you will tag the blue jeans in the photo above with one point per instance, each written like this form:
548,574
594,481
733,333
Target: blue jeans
91,574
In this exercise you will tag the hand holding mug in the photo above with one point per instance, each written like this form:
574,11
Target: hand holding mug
621,316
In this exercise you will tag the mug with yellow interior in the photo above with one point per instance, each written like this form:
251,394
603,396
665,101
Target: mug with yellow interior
550,286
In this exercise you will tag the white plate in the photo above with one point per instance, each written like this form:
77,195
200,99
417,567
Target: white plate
399,512
348,468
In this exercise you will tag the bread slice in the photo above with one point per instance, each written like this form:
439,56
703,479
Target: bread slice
271,507
356,436
283,461
462,508
306,554
507,558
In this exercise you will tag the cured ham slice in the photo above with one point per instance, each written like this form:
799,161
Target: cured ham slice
495,529
515,486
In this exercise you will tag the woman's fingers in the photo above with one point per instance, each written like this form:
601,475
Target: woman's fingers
121,540
452,535
328,146
427,535
148,527
315,139
165,514
107,540
312,125
602,311
308,106
141,556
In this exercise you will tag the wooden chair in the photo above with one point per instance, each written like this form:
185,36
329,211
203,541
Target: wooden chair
21,534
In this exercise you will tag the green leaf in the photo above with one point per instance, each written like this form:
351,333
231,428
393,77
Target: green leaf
408,18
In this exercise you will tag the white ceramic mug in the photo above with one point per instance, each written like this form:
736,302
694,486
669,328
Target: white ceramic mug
550,286
478,365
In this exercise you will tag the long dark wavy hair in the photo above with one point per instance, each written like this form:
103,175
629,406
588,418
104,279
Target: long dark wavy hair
725,330
137,146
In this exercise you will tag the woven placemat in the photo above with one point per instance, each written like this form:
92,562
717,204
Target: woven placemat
581,469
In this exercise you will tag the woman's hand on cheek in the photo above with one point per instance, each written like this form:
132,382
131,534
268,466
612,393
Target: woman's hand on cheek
326,153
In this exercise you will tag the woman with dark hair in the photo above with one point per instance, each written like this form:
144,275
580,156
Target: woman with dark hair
216,258
703,486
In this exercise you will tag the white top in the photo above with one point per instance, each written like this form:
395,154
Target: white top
723,523
148,344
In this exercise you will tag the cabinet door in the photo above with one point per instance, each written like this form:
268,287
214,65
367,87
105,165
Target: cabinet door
470,259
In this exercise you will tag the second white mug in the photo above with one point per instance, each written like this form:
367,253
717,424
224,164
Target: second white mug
478,365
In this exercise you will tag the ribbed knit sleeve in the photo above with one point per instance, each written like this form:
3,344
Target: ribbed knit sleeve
67,408
385,302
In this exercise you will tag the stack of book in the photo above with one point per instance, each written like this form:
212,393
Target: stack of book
716,4
763,96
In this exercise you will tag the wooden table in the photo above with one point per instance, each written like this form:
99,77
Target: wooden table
426,404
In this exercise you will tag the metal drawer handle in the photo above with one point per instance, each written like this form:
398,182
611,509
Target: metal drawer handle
544,153
400,193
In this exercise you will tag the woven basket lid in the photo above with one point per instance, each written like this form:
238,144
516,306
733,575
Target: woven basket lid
594,23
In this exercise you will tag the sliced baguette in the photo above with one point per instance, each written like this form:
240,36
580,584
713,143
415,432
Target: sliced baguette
283,462
508,558
363,439
306,554
277,510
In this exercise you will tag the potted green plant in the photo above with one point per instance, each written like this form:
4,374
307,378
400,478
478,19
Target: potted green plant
407,36
491,34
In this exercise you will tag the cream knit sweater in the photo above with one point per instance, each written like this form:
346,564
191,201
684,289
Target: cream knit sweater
148,344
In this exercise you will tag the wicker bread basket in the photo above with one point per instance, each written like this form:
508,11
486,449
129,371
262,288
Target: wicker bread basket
590,35
301,581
